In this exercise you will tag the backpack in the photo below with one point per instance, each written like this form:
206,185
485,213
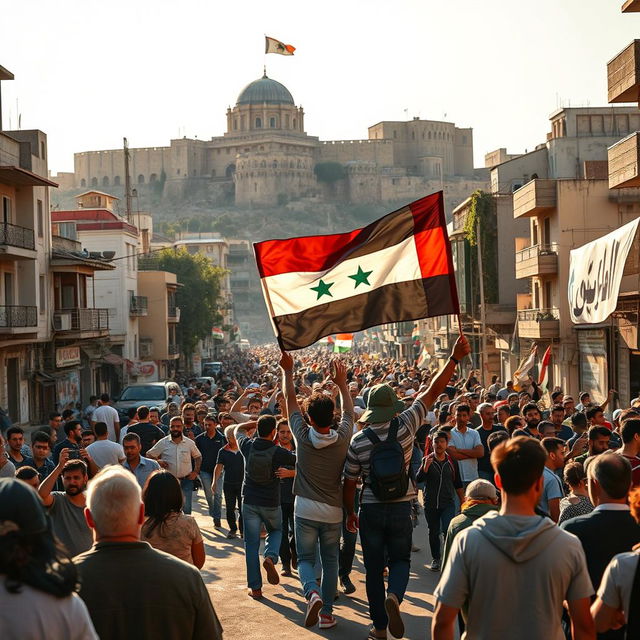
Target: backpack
259,467
388,475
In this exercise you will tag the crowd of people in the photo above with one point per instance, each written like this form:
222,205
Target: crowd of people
532,507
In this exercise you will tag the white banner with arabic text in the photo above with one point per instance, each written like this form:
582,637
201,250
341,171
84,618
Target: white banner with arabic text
595,273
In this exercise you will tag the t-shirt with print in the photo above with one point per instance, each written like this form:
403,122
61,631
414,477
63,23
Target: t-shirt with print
359,452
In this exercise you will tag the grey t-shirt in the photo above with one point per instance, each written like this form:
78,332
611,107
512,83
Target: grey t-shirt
69,524
531,556
617,581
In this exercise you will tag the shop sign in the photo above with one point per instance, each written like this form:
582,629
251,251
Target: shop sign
67,356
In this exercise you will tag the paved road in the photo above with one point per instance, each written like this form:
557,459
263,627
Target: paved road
281,611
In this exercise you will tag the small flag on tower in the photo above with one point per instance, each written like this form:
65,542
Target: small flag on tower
217,333
415,334
398,268
272,45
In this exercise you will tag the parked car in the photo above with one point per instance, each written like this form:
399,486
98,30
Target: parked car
211,368
150,394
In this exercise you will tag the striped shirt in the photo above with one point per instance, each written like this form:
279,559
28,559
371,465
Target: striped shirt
359,452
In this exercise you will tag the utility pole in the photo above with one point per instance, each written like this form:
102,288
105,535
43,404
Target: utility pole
127,180
483,311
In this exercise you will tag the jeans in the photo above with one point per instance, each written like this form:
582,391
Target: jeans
187,491
385,536
438,522
288,543
233,495
253,517
308,534
348,546
214,501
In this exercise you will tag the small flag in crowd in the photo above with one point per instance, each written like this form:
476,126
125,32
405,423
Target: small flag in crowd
522,372
424,358
543,380
217,333
272,45
415,334
343,343
396,269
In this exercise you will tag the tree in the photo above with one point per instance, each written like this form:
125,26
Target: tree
198,297
329,172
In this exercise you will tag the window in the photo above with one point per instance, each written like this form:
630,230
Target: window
464,139
94,182
235,124
42,295
287,121
40,220
140,179
6,210
116,181
395,134
83,183
258,123
43,154
105,181
153,177
272,123
295,123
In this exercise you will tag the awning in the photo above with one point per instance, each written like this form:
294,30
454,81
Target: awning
43,378
113,358
22,178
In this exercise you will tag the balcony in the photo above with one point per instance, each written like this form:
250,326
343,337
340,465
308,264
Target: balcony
18,319
88,322
631,6
146,347
623,75
539,324
16,243
173,313
534,197
138,306
539,260
173,349
623,163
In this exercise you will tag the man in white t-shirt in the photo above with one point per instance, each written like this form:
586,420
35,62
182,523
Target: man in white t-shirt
103,451
465,445
107,414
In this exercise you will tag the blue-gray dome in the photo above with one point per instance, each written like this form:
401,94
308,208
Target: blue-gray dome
265,90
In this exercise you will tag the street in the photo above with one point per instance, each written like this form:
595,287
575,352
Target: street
281,611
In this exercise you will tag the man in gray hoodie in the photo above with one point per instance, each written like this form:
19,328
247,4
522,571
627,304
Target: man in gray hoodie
539,565
321,452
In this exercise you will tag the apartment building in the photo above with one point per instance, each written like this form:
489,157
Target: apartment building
101,231
25,287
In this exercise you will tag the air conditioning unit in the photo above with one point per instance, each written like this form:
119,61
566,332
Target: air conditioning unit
146,349
62,322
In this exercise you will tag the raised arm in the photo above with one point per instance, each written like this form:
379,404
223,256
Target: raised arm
288,388
237,406
47,485
339,376
460,350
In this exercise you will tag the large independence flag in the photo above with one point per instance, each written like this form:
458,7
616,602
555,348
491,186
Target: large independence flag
398,268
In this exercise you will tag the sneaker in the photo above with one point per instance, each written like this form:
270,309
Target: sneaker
231,535
435,565
347,586
256,594
392,607
327,621
286,571
313,609
272,574
217,524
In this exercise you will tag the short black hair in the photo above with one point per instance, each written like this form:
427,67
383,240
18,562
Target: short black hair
441,434
40,436
319,408
104,397
132,437
75,465
578,419
629,429
496,438
266,425
597,431
143,412
100,429
544,424
71,426
530,407
557,407
552,444
26,473
463,407
13,430
55,414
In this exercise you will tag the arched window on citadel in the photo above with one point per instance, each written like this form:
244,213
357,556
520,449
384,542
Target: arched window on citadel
116,181
140,179
258,123
272,123
105,181
94,182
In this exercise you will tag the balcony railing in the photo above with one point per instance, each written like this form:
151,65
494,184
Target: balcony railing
15,236
539,323
138,306
81,320
173,349
17,316
173,313
541,259
535,251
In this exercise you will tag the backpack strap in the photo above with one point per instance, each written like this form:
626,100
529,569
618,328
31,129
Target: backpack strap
371,435
394,425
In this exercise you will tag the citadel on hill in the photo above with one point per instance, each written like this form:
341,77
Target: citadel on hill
266,158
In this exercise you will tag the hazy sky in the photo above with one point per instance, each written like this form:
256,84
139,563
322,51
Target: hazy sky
89,72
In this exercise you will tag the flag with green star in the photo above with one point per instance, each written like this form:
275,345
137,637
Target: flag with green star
397,269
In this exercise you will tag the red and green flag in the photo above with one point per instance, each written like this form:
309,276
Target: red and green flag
397,269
